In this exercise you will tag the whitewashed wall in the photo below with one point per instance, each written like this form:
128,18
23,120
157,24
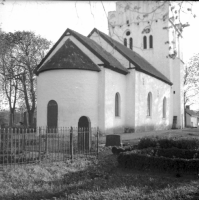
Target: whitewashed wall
159,90
165,41
114,82
76,93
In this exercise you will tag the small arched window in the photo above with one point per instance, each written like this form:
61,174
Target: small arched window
125,42
131,43
52,114
149,104
164,106
145,42
117,104
150,41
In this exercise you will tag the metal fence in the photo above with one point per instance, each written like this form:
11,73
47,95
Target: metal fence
23,146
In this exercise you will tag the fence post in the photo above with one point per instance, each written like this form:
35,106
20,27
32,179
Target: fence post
71,143
24,140
11,147
97,142
46,147
40,144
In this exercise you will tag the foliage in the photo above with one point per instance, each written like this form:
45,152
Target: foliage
8,71
22,52
143,161
169,153
117,151
168,143
191,81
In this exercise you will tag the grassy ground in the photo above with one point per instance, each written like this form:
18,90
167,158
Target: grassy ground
94,179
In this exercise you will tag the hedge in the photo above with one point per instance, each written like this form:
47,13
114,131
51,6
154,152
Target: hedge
169,153
168,143
133,160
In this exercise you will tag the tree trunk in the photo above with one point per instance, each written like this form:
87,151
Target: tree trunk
31,118
11,118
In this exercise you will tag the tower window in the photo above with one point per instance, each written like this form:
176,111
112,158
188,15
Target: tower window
131,43
145,42
150,41
125,42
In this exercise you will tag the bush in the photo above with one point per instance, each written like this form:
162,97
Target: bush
134,160
117,151
169,153
147,142
114,150
166,143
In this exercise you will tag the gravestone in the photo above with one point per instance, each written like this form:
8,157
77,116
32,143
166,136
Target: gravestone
113,140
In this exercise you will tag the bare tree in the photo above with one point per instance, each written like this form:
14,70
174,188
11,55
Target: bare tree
8,72
191,81
27,51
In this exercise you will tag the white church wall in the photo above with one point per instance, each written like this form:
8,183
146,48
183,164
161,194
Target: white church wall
159,90
101,102
114,82
76,93
118,27
130,101
177,91
166,40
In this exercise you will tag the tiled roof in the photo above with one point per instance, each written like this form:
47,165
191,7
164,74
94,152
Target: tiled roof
191,112
140,63
69,56
109,61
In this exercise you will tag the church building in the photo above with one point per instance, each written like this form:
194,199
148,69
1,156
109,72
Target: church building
128,81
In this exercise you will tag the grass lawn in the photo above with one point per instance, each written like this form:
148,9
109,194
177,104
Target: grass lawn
94,179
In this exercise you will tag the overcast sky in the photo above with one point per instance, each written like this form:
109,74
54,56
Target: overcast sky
51,18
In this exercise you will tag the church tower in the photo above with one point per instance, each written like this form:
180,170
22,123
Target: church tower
153,30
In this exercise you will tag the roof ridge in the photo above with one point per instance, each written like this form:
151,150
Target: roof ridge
134,54
64,56
109,60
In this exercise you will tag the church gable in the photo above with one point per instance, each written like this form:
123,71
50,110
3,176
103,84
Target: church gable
69,56
138,61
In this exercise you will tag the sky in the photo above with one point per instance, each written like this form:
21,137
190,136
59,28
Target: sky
51,18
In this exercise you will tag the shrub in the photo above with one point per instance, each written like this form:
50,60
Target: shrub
169,153
166,143
147,142
116,150
139,161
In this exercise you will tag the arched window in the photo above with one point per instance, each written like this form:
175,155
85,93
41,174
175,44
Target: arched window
131,43
125,42
150,41
145,42
149,104
52,114
117,104
164,107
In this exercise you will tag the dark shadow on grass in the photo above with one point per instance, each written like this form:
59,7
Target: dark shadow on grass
107,175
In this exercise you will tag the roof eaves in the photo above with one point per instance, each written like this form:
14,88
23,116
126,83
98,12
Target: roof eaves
115,69
50,51
141,70
67,69
129,59
107,64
